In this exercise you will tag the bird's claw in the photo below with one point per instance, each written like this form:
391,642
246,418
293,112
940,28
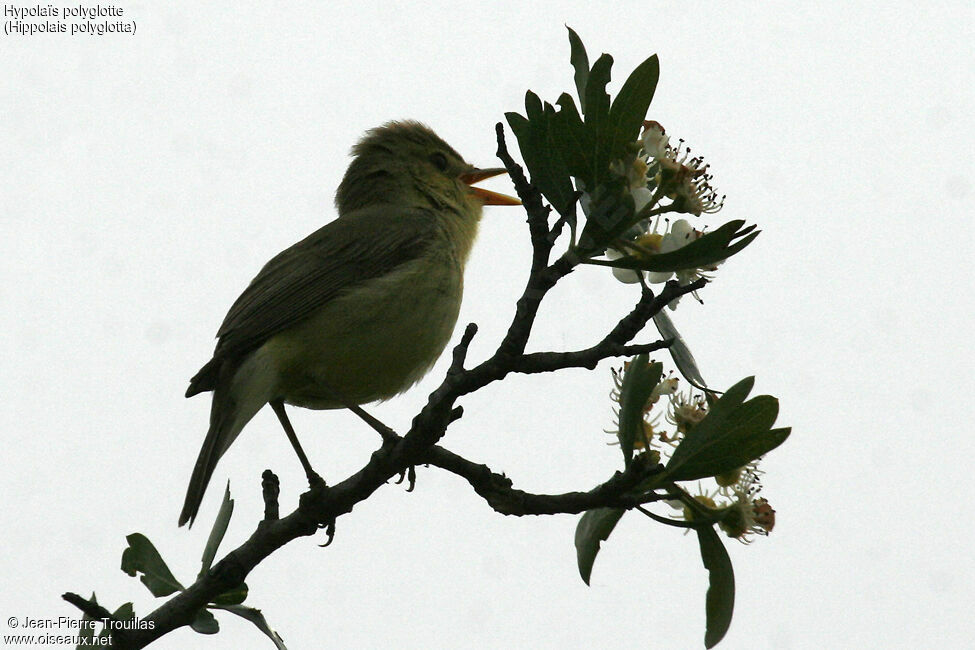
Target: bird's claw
330,531
409,475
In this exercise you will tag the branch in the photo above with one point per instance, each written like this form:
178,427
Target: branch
647,307
537,362
90,608
613,344
531,199
497,489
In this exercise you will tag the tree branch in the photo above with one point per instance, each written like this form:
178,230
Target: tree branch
91,609
531,199
497,489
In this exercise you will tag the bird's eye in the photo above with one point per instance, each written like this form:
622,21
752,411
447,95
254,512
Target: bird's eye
439,161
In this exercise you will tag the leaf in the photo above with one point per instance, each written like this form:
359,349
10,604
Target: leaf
580,61
596,108
720,601
142,557
218,531
125,612
594,527
685,361
558,184
630,107
639,380
596,116
233,597
610,214
542,150
732,434
205,622
575,142
707,250
257,618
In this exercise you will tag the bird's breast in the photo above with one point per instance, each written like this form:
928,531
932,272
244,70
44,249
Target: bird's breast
373,342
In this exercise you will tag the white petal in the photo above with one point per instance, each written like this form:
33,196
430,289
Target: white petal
641,197
670,243
626,276
683,230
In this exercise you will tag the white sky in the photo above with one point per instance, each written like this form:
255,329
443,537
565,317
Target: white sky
146,179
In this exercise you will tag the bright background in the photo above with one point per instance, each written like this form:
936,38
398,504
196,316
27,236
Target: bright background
146,179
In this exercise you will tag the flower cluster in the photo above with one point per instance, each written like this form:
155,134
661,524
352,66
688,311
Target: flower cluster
657,171
673,173
733,502
679,234
738,509
681,411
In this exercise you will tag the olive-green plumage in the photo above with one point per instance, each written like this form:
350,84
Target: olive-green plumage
363,306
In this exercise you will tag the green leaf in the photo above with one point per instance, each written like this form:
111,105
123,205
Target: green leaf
597,99
575,142
218,531
257,618
630,107
597,121
594,527
125,612
142,557
732,434
205,623
533,106
720,602
639,380
580,61
610,214
539,140
681,354
555,170
233,597
703,252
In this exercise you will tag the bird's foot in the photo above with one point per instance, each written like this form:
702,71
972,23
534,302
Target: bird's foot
315,480
409,475
330,531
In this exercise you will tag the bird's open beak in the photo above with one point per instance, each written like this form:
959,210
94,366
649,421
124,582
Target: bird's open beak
487,196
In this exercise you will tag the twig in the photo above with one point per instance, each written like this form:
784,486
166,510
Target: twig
270,489
497,489
92,609
531,198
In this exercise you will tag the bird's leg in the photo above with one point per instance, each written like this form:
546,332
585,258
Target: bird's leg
313,477
388,435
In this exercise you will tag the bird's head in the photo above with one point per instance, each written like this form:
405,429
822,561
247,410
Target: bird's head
406,163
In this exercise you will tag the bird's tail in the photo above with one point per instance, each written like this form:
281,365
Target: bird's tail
228,415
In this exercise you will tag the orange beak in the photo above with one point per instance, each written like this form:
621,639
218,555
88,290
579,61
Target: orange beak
475,175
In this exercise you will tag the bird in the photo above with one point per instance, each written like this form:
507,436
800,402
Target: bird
359,310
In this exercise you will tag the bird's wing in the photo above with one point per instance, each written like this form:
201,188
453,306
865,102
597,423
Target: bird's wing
357,247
